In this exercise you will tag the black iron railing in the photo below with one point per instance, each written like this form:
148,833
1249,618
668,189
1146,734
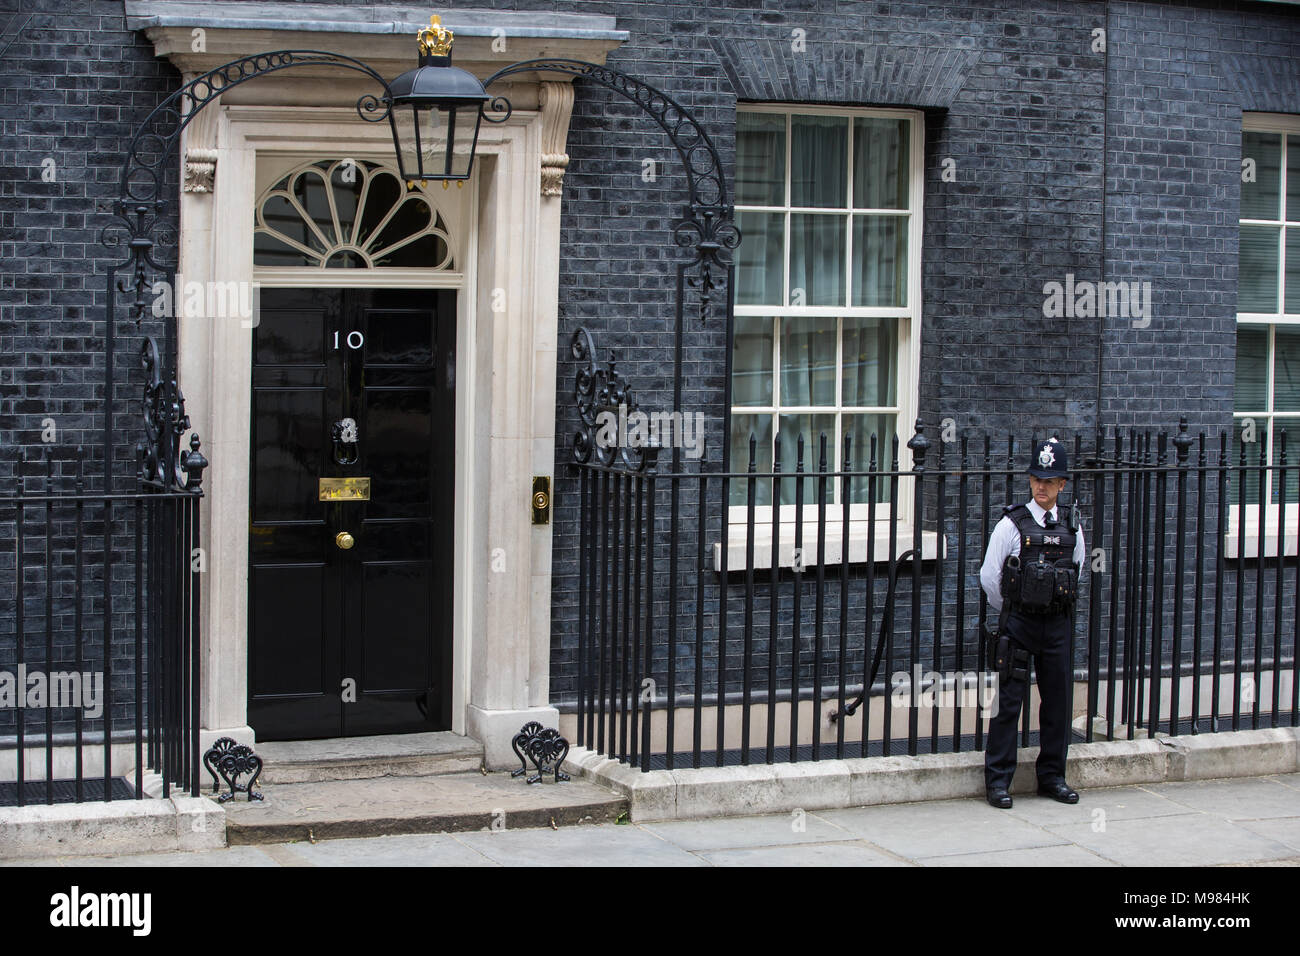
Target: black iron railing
99,641
712,635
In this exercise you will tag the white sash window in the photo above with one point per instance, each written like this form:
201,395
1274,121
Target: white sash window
1267,390
827,298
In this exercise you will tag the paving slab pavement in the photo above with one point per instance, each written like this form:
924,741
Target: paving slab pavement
1252,821
942,828
1113,803
808,854
1192,839
746,832
1254,798
1066,854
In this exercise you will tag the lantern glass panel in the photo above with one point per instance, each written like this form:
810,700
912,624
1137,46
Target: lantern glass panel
423,136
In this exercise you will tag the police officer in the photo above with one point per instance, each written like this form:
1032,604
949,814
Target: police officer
1031,576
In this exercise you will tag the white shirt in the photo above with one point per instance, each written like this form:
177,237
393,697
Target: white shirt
1005,540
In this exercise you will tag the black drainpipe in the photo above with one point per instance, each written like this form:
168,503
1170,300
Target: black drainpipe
1105,130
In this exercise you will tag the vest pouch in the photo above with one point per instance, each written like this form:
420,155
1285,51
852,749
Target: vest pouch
1011,578
1037,585
1067,583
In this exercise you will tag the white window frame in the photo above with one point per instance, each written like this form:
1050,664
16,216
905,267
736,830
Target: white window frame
907,364
1286,125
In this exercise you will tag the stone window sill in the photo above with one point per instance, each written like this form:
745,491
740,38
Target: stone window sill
737,544
1250,544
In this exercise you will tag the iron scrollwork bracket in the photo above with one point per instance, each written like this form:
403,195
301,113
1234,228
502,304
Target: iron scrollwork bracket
707,222
713,233
604,397
163,466
233,760
545,748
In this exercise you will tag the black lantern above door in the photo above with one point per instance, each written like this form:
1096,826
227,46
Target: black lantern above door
435,111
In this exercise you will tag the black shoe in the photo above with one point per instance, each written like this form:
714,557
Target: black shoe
998,797
1059,791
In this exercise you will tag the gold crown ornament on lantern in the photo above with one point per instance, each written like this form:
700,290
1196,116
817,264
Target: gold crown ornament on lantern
434,39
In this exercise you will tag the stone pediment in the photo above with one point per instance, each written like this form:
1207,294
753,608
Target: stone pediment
383,36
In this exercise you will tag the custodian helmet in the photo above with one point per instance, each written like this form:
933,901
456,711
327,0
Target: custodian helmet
1049,460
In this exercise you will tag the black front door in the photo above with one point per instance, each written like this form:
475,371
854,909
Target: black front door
349,617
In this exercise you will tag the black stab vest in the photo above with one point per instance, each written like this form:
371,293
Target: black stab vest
1054,544
1043,578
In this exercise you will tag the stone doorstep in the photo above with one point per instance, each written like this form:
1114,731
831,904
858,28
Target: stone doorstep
357,758
442,803
326,810
856,782
315,790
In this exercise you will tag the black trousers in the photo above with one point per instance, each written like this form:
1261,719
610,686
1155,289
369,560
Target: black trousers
1048,641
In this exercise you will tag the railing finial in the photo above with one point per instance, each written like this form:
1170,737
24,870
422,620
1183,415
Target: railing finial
919,445
1182,442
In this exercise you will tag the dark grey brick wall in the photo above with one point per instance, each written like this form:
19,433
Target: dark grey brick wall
74,83
1115,165
1180,76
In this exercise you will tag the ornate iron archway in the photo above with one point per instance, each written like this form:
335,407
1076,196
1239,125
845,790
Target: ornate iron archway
138,219
139,210
162,629
706,223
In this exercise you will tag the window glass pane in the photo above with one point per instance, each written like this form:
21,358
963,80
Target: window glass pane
270,251
819,147
427,252
879,260
1260,199
860,428
383,193
742,426
880,163
869,358
807,361
760,159
281,216
346,181
411,217
811,427
1293,178
1291,285
1257,269
1286,373
751,364
310,191
1251,393
761,259
816,259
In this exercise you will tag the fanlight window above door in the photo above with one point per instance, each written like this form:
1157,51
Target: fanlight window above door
349,214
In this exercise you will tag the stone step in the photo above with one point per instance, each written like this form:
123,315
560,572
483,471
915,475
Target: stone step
358,758
439,803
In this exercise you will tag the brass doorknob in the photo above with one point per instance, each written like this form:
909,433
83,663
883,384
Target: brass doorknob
344,540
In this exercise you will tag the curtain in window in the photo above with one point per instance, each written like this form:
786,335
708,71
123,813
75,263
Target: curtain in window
818,178
807,361
760,159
